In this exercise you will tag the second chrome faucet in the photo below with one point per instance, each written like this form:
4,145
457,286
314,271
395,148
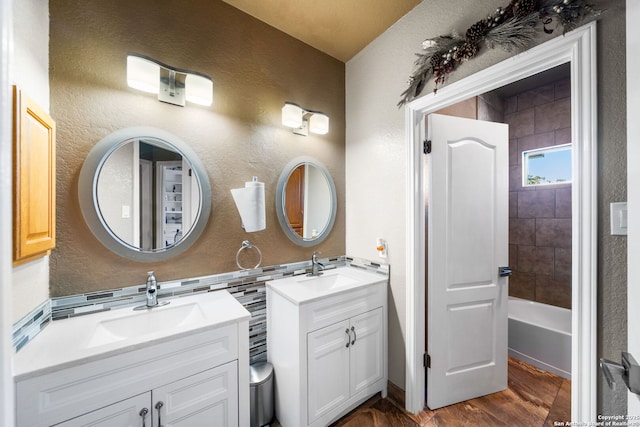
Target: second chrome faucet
316,266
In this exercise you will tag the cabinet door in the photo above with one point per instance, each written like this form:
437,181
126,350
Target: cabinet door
367,349
34,204
128,413
207,399
327,368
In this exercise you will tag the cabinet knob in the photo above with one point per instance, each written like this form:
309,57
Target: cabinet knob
346,331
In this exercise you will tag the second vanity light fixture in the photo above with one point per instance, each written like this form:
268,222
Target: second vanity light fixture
302,121
172,85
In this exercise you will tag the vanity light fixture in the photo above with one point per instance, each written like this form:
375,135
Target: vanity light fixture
302,121
172,85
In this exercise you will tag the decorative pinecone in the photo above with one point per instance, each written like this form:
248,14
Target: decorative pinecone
477,31
440,72
524,7
466,51
436,60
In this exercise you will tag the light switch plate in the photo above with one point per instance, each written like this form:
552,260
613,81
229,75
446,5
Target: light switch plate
619,219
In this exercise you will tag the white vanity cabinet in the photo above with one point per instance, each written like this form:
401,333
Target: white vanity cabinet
205,399
178,377
329,352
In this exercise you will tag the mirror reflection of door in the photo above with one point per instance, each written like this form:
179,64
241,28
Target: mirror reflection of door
294,199
147,196
146,204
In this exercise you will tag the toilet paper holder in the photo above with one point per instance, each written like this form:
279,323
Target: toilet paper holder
250,203
248,245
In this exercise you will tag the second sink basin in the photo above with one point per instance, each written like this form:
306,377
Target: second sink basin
327,282
301,289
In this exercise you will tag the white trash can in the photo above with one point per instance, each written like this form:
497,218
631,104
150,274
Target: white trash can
261,393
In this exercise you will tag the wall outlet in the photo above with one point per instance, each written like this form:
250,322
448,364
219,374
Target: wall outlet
381,247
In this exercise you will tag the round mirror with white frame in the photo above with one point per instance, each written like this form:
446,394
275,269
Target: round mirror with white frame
144,194
306,201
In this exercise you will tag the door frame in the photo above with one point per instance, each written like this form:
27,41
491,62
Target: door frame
578,48
633,190
6,230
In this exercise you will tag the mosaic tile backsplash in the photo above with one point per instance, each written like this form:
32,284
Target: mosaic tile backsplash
248,286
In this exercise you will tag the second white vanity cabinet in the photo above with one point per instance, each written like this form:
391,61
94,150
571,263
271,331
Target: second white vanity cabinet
328,348
344,359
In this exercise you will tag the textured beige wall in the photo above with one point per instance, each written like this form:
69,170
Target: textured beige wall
255,69
376,140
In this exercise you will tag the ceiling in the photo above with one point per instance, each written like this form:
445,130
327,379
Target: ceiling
340,28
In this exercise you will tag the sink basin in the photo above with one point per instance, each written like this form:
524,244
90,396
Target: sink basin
142,323
80,339
302,289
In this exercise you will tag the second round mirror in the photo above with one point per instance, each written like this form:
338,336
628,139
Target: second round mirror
306,201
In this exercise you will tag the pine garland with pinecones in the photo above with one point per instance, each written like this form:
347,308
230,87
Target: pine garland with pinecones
511,28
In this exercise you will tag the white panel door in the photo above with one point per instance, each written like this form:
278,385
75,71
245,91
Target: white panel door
328,368
367,347
207,399
467,242
133,412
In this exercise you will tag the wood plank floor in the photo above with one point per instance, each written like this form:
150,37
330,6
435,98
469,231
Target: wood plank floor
534,399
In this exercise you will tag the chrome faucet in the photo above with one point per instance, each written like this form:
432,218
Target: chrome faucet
316,266
151,293
152,290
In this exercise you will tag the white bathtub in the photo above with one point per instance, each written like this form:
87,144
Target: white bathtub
540,334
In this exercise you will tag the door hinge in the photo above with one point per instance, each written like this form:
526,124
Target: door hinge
427,361
427,146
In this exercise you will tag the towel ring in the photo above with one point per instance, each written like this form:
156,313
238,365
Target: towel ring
247,245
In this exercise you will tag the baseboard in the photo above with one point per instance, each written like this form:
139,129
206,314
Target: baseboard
395,394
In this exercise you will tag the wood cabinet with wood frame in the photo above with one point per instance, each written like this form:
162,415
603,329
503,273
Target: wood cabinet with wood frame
34,180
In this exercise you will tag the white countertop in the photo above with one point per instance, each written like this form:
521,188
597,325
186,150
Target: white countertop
303,289
91,337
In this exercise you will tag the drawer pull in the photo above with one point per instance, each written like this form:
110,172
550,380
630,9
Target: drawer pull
346,331
143,414
355,337
159,406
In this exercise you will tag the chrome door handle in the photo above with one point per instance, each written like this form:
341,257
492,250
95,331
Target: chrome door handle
504,271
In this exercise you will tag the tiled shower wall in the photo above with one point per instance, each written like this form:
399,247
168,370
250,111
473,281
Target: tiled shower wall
539,217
